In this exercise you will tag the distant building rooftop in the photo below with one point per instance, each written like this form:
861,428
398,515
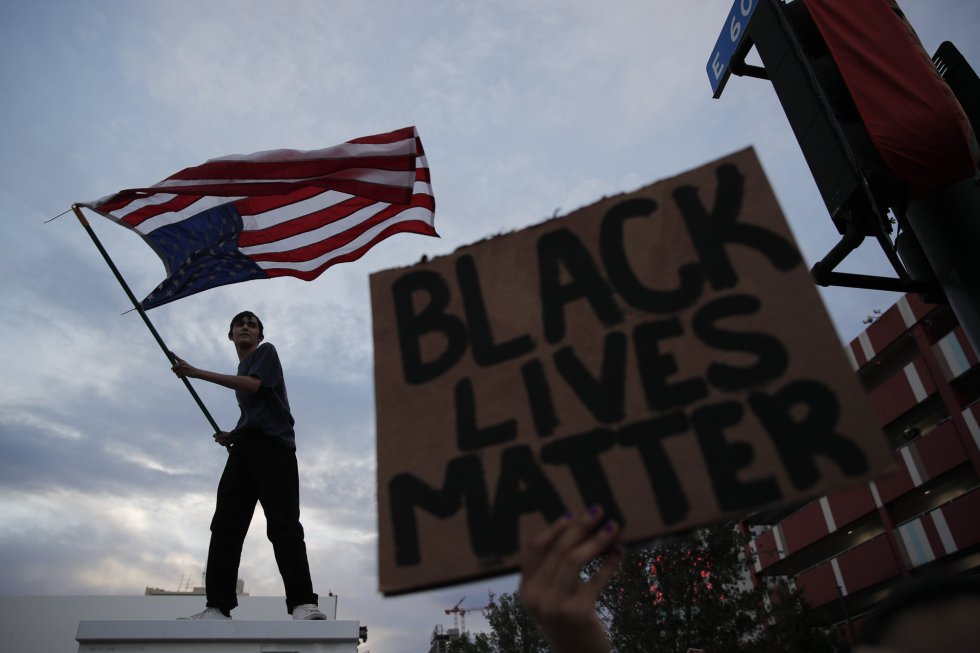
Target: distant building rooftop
186,590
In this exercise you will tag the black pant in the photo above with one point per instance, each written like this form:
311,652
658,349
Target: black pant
260,469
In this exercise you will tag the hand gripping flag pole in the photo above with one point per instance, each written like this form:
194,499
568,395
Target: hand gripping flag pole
139,309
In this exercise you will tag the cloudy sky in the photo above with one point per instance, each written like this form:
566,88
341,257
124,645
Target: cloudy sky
107,468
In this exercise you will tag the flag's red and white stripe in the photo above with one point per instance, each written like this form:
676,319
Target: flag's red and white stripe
302,211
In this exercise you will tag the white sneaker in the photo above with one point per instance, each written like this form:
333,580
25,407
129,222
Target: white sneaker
308,611
212,614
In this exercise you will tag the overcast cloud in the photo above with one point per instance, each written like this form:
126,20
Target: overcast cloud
107,468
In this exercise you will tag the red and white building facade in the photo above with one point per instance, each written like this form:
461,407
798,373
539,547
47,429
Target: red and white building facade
847,550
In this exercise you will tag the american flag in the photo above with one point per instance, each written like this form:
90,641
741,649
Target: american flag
277,213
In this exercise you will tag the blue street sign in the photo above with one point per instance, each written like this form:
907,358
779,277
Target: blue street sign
731,37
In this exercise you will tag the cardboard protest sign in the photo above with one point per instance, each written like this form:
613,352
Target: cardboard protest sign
662,353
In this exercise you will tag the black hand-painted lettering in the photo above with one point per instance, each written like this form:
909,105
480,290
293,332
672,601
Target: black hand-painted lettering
485,351
581,454
711,232
463,482
539,397
648,437
603,396
655,367
613,250
561,248
772,357
469,435
724,459
432,319
522,488
799,441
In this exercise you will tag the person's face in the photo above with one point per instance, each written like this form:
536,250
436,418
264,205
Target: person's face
245,331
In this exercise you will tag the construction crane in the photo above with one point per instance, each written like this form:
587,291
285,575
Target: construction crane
459,615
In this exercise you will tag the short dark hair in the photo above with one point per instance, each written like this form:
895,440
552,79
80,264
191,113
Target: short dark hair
914,594
241,316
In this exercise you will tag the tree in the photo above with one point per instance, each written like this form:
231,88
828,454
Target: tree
479,643
790,625
694,592
512,630
690,592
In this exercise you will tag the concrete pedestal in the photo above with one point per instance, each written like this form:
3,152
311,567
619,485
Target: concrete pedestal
218,636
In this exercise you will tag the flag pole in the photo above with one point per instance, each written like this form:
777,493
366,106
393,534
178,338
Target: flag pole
139,309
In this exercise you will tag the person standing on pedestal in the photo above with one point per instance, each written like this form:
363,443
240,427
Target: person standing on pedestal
261,468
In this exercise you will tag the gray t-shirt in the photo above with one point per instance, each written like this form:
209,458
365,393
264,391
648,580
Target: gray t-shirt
268,409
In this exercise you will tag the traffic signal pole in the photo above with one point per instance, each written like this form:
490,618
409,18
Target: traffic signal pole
883,128
946,224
